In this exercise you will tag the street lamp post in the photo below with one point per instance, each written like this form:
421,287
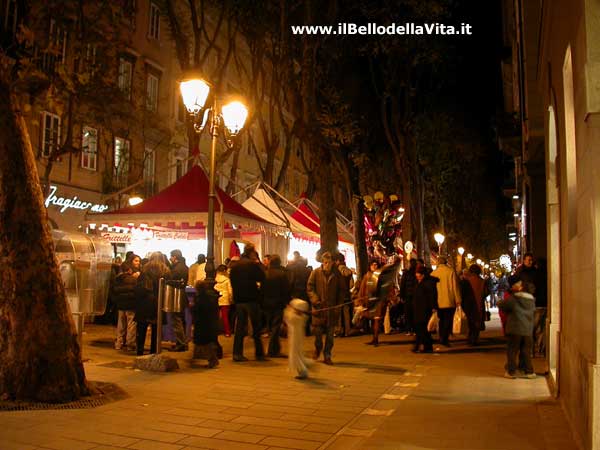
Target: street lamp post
194,92
439,238
461,252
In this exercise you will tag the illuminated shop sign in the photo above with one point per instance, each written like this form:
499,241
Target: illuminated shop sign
71,203
117,238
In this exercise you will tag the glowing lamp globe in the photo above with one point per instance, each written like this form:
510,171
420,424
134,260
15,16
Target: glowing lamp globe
194,94
234,116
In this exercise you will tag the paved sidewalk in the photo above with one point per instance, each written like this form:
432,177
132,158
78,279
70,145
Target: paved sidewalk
372,398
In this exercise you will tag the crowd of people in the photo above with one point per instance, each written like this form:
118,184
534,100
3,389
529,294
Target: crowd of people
252,295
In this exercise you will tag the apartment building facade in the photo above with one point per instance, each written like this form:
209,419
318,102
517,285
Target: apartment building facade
560,75
128,137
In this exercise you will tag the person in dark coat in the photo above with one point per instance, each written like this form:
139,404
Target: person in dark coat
384,292
408,284
345,313
470,307
146,300
179,273
245,275
275,297
519,308
298,275
206,324
325,290
424,303
124,296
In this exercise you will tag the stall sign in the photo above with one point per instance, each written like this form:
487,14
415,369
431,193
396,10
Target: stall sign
74,203
117,238
170,234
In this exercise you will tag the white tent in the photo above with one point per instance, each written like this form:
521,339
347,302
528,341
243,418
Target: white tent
300,238
262,204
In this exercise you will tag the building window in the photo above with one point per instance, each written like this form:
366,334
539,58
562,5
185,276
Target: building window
89,148
89,58
50,133
179,163
152,92
154,23
125,76
9,19
121,160
56,52
149,171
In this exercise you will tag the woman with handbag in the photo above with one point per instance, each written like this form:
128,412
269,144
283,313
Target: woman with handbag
424,303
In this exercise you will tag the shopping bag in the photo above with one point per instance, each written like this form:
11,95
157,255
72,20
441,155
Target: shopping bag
387,325
432,325
459,323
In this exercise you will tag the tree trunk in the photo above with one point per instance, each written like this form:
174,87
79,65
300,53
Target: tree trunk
40,357
360,244
326,203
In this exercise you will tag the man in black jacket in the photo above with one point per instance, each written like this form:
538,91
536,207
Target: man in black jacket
408,284
124,297
245,276
275,297
179,272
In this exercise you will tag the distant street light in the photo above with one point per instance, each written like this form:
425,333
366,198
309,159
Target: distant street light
461,252
439,238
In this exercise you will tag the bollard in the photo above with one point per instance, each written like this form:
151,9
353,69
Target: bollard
161,296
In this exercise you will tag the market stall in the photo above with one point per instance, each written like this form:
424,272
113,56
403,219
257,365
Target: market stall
300,221
176,217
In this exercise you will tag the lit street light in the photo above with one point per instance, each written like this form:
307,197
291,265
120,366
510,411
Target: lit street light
461,260
194,92
439,238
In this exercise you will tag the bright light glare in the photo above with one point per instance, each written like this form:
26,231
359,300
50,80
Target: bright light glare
461,251
135,200
194,94
439,238
234,116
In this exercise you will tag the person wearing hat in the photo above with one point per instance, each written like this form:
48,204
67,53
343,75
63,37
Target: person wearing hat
519,308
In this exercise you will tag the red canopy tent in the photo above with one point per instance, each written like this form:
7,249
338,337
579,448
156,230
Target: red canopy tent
183,206
307,217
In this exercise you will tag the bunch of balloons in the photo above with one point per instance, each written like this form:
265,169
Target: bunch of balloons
383,228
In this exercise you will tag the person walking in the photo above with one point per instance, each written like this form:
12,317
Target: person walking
146,300
519,308
245,276
448,298
295,315
423,304
325,290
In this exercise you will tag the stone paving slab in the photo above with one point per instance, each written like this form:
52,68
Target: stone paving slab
371,398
